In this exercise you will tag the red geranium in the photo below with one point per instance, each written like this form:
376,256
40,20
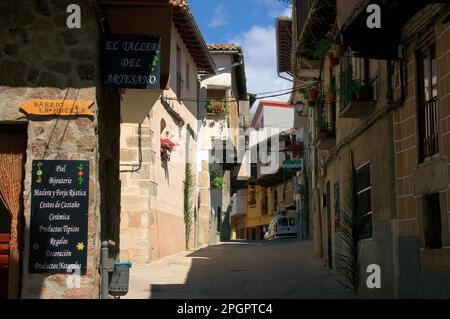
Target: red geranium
167,144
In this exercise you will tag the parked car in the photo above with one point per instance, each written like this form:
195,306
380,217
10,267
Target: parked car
281,227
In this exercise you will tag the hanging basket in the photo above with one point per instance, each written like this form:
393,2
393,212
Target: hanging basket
333,60
313,95
338,49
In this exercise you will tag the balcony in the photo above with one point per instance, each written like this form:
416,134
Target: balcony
216,107
357,109
326,140
356,96
378,43
313,22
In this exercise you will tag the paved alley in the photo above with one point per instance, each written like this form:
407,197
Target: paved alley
240,269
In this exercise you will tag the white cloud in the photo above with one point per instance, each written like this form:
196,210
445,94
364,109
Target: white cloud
259,48
220,16
274,8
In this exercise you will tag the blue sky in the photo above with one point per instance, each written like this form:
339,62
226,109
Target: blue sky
250,24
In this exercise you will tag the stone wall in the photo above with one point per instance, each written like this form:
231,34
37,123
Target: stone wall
136,158
41,58
424,273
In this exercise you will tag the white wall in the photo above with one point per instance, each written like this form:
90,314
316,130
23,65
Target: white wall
281,117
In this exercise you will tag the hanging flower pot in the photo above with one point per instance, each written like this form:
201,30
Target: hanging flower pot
333,60
216,182
166,148
313,95
338,49
324,133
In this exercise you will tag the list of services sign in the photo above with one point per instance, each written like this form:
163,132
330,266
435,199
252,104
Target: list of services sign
59,216
130,61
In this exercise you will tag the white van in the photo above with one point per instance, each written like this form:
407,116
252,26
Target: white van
281,227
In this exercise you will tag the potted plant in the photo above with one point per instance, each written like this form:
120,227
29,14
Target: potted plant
166,148
297,149
321,49
363,90
322,128
338,49
333,59
216,181
313,94
215,107
330,94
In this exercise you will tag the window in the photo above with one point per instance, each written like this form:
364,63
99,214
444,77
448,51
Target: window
275,200
432,221
291,221
283,222
217,98
252,196
363,205
188,76
427,102
178,85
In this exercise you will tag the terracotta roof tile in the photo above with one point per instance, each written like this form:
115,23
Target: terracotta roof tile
224,47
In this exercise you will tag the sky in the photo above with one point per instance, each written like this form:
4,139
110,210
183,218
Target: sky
251,25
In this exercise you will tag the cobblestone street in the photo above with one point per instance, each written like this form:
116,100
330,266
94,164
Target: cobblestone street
241,269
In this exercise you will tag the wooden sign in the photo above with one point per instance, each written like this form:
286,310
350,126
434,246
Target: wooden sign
59,216
46,107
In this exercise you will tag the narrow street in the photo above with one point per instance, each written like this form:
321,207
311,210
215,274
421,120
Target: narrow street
239,269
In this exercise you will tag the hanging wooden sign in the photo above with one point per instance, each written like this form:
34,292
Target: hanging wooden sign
46,107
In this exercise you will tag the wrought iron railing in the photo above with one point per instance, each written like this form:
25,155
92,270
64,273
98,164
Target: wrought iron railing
428,129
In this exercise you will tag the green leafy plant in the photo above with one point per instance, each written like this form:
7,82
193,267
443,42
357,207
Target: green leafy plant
321,123
350,226
304,93
216,181
353,89
321,49
189,195
154,62
347,263
216,107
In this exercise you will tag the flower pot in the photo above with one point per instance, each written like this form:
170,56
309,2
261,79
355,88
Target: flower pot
338,49
165,156
313,95
364,95
333,60
324,133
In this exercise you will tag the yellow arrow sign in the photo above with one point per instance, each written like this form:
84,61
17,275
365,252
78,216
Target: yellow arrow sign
46,107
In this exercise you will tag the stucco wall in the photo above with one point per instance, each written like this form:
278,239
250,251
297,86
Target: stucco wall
153,191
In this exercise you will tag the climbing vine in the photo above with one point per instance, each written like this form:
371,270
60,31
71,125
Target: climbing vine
189,209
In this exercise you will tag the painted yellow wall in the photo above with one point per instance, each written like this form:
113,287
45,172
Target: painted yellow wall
254,214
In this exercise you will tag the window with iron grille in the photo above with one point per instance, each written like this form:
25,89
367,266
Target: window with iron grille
363,202
427,102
